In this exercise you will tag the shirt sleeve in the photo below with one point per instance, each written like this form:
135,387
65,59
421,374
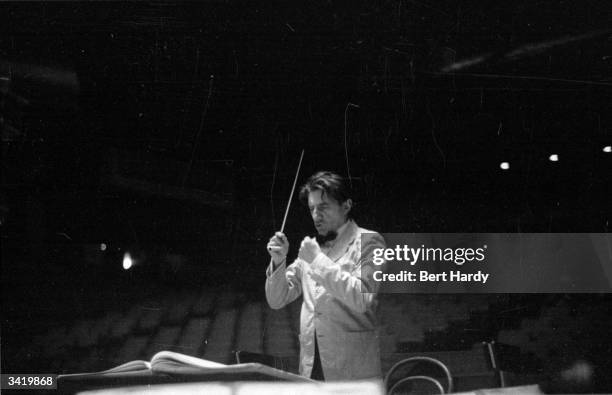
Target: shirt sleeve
283,284
351,279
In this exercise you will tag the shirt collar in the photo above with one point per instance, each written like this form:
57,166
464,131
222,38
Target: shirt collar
346,234
342,229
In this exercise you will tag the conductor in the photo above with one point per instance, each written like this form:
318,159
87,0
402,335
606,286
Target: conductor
338,326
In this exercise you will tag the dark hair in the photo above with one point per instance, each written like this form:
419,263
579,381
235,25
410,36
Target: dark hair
329,183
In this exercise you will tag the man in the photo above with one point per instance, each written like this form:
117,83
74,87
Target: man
338,327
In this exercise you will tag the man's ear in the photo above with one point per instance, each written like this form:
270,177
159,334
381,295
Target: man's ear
347,206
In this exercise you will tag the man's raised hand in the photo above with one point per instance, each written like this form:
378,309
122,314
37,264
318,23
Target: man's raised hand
309,249
278,247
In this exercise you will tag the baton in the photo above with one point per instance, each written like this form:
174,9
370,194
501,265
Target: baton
297,173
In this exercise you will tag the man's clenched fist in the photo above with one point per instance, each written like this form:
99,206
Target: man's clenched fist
278,246
309,249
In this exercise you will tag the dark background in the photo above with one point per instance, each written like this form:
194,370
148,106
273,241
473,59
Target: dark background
173,131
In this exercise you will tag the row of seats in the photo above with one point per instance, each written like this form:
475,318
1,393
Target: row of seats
212,328
212,325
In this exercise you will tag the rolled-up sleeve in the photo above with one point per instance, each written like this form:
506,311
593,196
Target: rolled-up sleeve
351,281
284,284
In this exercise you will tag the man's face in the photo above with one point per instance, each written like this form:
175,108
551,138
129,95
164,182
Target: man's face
327,214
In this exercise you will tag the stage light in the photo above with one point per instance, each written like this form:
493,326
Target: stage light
504,165
127,261
554,158
607,149
102,247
